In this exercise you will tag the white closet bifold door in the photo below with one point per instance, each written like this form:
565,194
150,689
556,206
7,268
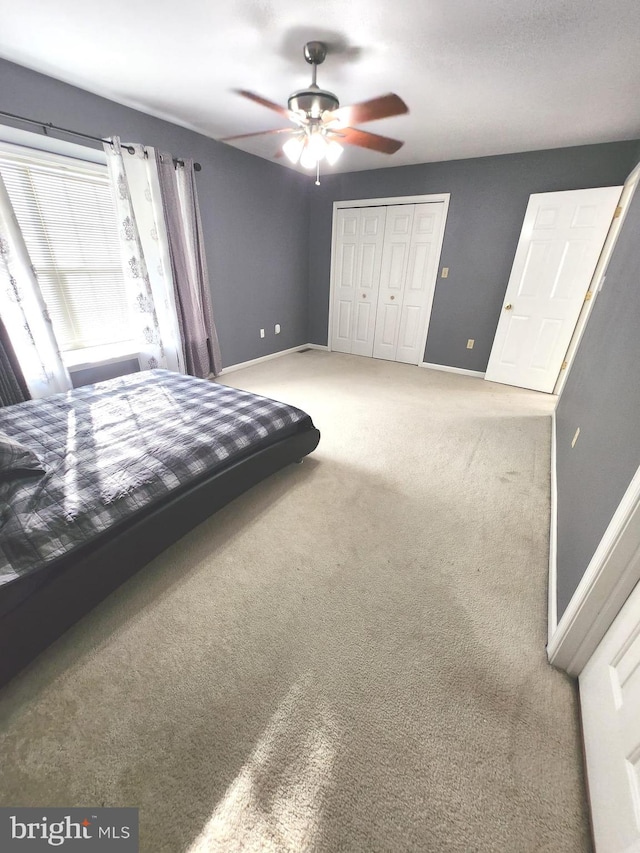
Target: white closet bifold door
395,260
420,281
384,276
360,234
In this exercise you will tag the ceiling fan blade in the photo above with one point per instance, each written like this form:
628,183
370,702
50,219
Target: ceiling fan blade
363,139
295,117
258,133
383,107
270,105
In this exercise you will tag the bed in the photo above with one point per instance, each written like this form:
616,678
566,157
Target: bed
96,482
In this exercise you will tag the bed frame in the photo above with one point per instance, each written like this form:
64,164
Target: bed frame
76,585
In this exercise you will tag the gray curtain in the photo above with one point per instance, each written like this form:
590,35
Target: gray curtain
13,388
189,266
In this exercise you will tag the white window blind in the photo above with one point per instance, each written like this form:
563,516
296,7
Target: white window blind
68,220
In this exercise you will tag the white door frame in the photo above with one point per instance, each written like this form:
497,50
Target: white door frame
614,568
385,202
609,701
613,572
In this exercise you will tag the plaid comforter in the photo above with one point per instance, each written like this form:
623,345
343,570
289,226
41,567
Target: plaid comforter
117,447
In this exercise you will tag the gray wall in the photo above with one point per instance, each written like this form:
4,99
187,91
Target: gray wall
254,213
602,397
489,196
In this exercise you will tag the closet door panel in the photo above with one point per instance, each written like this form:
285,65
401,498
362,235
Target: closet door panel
387,326
368,266
345,277
362,323
420,282
395,260
371,228
348,265
410,331
343,323
397,266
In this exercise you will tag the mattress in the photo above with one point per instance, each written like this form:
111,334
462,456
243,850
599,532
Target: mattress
115,449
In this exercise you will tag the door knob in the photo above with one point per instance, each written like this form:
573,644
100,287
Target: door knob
393,297
364,295
508,307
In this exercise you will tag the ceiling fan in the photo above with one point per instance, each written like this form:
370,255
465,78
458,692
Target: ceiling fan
322,126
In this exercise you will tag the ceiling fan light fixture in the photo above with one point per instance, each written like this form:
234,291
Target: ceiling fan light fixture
317,144
293,149
307,158
333,152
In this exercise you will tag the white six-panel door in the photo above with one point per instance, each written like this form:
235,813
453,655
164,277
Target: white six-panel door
610,707
395,261
347,230
428,221
561,239
360,235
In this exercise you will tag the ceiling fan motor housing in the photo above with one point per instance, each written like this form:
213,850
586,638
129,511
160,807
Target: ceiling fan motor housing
313,101
315,52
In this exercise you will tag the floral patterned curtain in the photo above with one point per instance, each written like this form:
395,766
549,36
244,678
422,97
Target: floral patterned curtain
24,312
151,346
144,188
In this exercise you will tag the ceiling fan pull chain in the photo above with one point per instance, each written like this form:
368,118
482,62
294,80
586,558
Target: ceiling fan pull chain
318,173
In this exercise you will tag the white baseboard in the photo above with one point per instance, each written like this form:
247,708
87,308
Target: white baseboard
612,573
462,370
241,365
552,618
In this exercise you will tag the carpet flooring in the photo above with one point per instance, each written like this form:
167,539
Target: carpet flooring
350,657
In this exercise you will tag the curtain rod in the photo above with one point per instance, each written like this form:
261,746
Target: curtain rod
47,125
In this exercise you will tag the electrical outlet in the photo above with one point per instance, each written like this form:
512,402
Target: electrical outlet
277,329
575,437
262,333
445,272
470,343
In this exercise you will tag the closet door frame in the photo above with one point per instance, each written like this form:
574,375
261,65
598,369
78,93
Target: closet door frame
386,202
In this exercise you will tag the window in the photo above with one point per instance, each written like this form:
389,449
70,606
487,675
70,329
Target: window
68,221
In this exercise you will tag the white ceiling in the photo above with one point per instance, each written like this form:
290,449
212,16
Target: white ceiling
480,76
